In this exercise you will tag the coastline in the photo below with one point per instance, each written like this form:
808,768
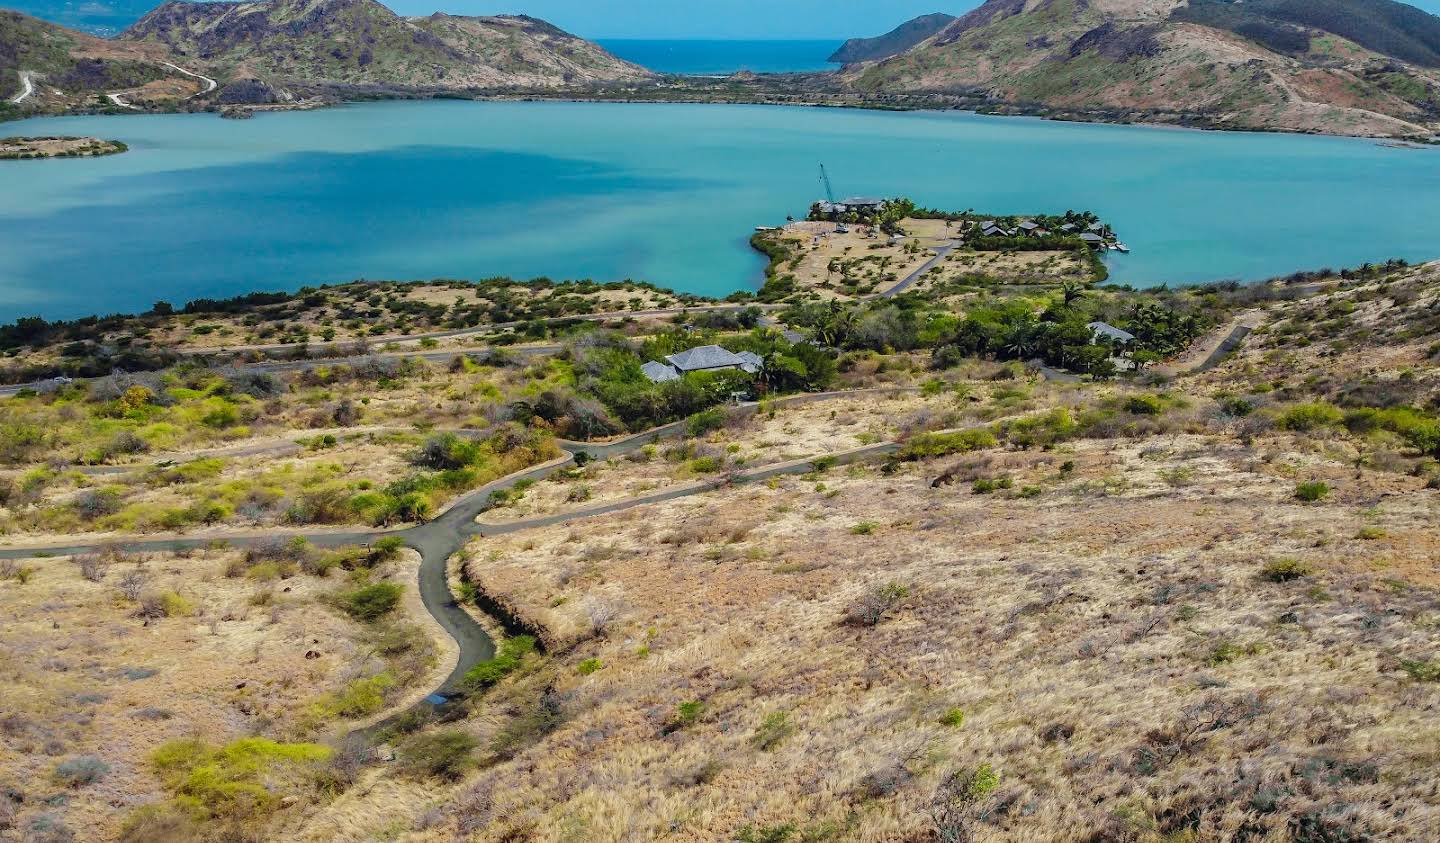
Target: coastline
721,90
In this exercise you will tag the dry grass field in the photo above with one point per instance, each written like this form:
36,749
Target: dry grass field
107,657
1171,608
1142,639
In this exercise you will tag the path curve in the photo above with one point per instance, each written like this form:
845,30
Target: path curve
210,84
441,538
27,87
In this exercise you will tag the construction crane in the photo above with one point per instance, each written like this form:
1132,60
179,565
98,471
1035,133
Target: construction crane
840,228
829,191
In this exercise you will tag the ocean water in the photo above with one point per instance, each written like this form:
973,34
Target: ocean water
705,58
203,206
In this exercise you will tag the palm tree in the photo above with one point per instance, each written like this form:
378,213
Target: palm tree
1073,291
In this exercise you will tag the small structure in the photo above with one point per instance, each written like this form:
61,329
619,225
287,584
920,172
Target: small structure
1110,332
1030,228
1094,241
705,358
1068,228
863,203
991,228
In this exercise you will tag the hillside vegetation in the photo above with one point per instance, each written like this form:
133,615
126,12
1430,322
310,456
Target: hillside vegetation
894,42
361,41
967,569
1363,67
195,55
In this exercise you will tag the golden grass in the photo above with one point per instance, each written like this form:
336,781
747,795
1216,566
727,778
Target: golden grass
82,675
1112,648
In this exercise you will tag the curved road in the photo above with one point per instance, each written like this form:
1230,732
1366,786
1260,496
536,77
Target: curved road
210,84
27,87
439,539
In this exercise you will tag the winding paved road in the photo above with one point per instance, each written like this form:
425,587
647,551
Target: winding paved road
439,539
27,87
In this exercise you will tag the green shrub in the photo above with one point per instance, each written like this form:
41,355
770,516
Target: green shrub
985,486
589,666
766,833
773,730
1312,491
981,782
705,465
1237,407
1042,430
1224,653
371,602
444,755
864,528
1421,671
688,713
1306,417
1144,405
508,658
928,445
235,780
953,718
705,421
386,548
1285,570
357,699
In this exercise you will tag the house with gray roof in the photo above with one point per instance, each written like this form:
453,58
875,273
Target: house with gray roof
1110,332
1094,241
705,358
659,372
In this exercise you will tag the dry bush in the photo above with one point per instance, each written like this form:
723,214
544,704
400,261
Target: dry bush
92,566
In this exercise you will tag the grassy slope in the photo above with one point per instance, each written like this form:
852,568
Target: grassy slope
1066,54
362,42
1108,646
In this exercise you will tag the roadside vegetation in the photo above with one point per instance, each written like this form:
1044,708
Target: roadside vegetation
1212,586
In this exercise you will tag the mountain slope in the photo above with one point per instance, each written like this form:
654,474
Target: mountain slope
894,42
1340,66
69,68
360,42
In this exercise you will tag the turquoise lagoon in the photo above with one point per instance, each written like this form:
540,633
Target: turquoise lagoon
203,206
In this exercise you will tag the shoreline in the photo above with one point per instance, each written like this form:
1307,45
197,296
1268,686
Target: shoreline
898,102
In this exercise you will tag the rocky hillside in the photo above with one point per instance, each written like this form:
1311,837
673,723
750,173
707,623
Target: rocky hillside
1362,67
49,67
360,42
894,42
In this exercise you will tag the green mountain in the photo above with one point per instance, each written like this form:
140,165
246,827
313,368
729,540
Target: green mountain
53,68
360,42
1360,67
894,42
